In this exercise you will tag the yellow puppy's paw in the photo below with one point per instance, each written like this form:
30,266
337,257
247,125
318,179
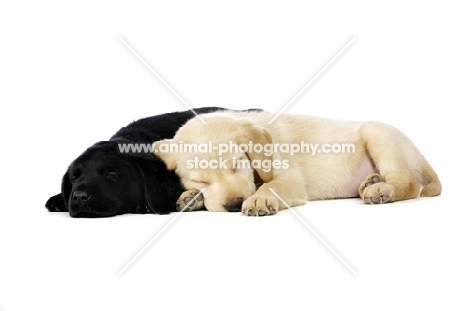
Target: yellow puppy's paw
369,181
374,190
260,206
186,199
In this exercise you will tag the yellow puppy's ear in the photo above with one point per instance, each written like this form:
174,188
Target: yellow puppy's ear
161,149
258,135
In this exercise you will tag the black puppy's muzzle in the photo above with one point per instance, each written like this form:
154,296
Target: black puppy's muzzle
80,205
81,198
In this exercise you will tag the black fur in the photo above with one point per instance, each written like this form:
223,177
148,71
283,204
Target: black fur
104,182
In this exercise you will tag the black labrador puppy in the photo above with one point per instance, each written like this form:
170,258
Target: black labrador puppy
106,181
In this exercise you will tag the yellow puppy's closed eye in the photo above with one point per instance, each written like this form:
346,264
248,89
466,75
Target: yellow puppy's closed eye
200,182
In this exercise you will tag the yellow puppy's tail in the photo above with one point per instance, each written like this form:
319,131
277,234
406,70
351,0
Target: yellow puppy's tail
431,184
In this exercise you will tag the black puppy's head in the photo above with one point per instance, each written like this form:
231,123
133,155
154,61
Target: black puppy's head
104,182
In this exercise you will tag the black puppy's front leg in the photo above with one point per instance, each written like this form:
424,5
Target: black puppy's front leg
56,204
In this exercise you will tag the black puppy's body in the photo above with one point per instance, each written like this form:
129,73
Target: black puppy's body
103,181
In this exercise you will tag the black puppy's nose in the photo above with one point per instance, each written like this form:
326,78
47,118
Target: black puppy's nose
234,205
80,197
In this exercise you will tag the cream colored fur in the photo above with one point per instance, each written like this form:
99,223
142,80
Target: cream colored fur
384,167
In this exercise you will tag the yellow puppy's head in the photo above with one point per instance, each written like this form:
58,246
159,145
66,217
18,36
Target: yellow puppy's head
217,157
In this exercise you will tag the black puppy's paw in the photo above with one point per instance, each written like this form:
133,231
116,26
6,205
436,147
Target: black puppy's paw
56,204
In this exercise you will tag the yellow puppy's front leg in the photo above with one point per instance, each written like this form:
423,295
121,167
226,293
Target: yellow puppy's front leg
290,187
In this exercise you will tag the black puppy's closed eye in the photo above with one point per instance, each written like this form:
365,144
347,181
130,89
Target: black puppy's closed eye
111,175
108,172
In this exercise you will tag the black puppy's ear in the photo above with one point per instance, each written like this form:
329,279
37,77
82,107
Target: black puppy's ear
169,159
66,188
161,187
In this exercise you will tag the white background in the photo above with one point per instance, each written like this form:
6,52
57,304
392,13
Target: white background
66,81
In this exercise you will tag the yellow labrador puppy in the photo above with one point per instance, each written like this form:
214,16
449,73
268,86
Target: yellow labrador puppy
299,157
